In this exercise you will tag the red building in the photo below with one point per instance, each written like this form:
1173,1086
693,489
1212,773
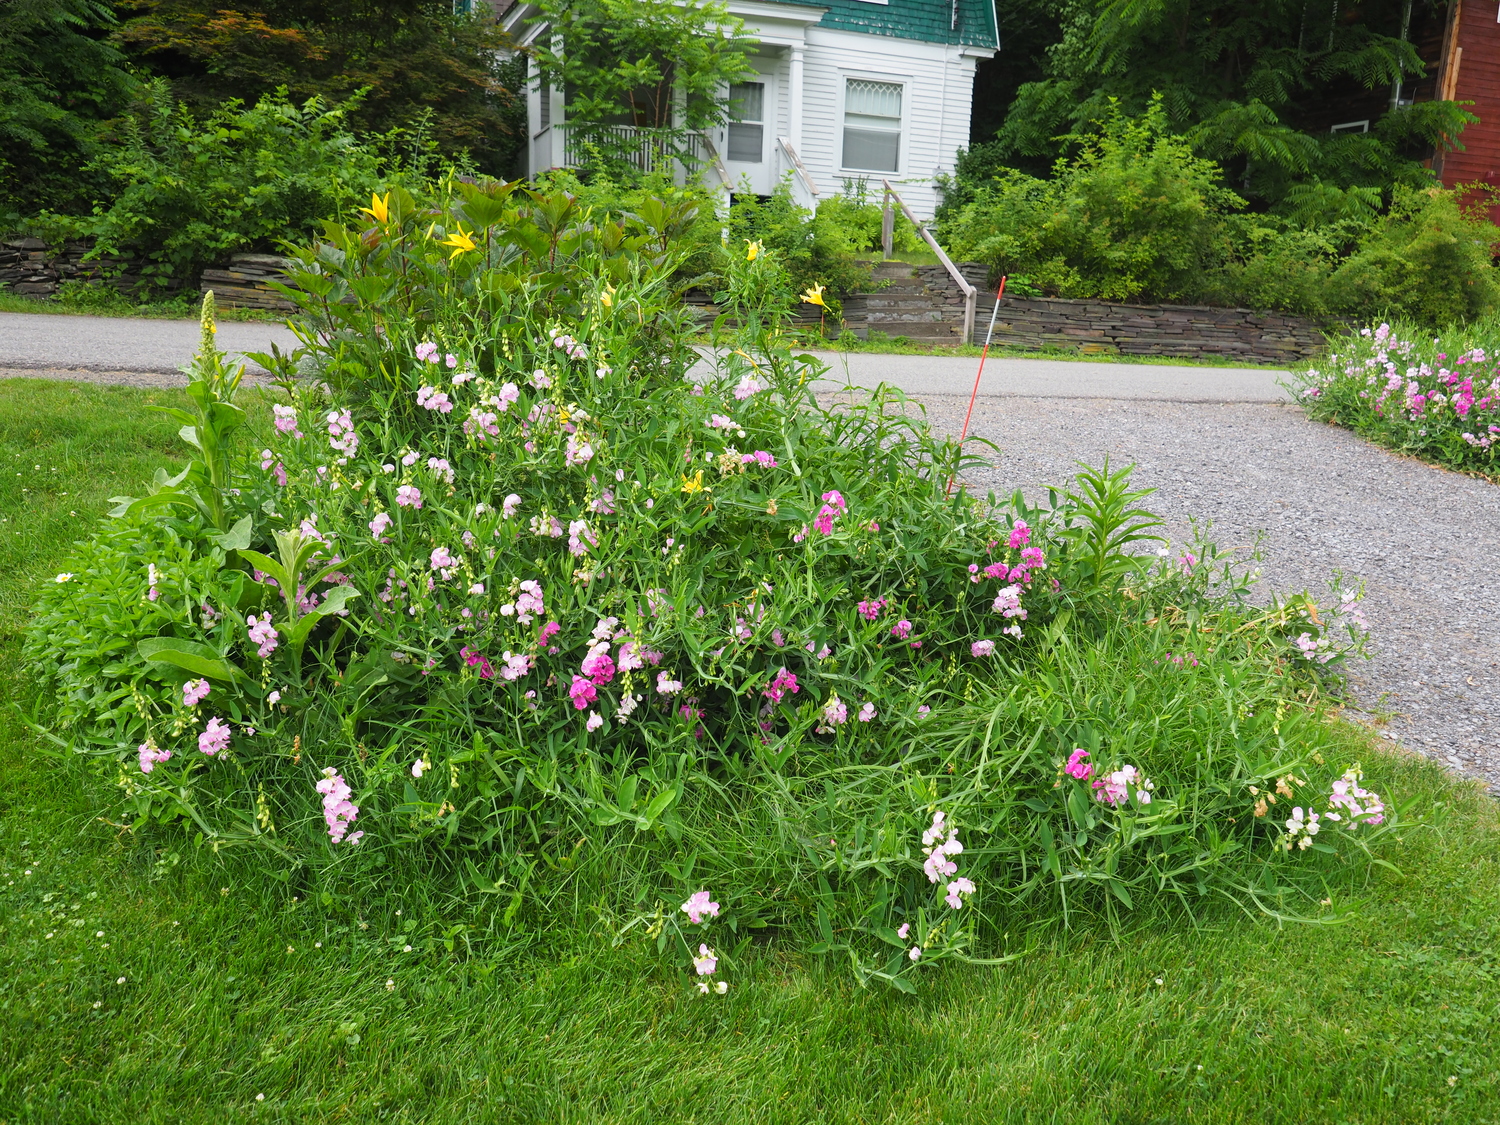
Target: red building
1469,71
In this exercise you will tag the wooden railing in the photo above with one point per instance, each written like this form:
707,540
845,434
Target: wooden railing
639,146
887,245
796,162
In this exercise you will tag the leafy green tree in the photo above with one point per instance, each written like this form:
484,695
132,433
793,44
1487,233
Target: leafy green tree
1247,80
409,56
59,78
653,63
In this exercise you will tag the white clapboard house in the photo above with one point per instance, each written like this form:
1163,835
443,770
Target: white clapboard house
843,90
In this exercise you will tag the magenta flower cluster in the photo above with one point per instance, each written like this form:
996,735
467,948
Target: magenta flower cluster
833,507
781,683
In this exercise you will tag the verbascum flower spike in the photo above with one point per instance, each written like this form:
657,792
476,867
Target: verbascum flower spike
208,329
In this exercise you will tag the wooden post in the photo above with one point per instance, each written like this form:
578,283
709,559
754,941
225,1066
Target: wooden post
887,227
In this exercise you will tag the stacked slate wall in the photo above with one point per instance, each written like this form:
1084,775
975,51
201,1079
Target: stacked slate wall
29,269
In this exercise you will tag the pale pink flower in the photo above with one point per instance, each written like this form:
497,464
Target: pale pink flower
699,906
262,633
408,496
215,737
338,811
956,889
982,648
151,755
194,692
706,962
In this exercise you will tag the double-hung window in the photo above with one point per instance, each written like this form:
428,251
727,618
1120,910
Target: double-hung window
872,125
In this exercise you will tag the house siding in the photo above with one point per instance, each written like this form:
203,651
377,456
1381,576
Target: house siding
1473,76
939,81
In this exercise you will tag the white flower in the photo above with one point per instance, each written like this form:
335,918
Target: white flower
63,577
722,987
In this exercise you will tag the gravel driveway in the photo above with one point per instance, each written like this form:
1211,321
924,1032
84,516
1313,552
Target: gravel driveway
1423,539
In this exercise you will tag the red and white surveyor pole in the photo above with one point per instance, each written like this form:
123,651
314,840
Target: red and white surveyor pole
994,312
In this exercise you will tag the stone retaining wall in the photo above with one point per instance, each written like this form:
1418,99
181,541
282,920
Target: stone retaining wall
1188,331
28,269
246,283
1106,327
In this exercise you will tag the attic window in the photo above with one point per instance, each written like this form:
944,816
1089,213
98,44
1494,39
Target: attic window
1351,127
872,125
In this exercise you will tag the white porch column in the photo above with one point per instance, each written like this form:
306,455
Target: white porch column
794,100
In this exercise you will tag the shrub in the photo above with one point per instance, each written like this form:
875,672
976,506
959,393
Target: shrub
1426,260
852,221
59,79
1270,264
187,194
1134,215
500,592
812,249
1438,399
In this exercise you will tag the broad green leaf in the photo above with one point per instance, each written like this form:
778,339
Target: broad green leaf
268,565
334,602
190,656
237,538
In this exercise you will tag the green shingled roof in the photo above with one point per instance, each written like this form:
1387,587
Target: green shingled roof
928,20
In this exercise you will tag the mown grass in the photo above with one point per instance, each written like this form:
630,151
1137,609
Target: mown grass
143,980
182,309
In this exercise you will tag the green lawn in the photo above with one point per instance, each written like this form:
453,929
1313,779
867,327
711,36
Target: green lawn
143,979
114,305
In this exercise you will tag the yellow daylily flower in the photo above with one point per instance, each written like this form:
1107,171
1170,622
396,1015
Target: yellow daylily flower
693,485
752,249
379,209
461,241
607,298
814,296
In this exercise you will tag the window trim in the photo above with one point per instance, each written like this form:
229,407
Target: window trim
902,80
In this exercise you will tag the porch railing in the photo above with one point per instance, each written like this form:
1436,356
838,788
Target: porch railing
887,245
643,147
